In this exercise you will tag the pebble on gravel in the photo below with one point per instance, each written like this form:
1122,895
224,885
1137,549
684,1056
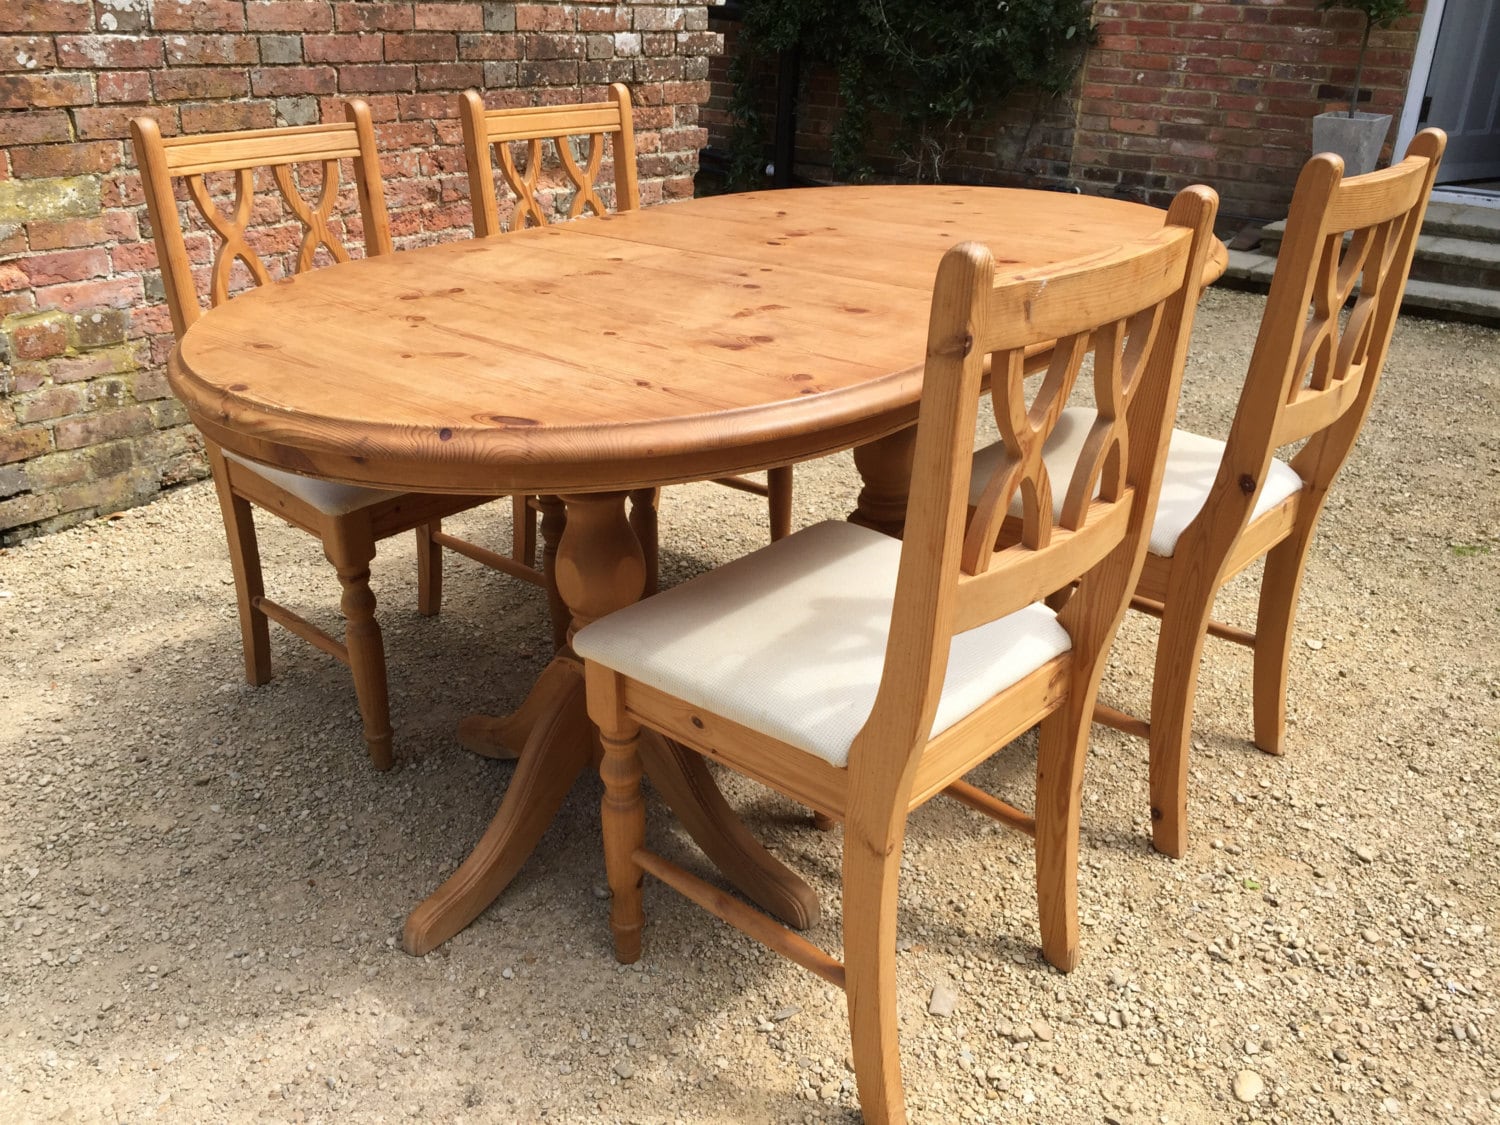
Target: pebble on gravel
1248,1085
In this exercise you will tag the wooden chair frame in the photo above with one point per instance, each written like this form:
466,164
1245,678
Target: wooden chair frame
488,137
348,537
1312,378
1134,307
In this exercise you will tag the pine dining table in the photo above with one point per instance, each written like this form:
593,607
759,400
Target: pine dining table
594,361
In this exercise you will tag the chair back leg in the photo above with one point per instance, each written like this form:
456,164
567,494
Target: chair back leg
1280,589
872,868
429,569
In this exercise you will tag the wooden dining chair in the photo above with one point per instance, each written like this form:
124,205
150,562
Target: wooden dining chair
862,675
1225,503
488,138
347,520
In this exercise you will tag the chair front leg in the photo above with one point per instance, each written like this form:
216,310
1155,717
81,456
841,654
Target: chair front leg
1174,688
1280,590
429,569
872,867
350,550
623,817
244,562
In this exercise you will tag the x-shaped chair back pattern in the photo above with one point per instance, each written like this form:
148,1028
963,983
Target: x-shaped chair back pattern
192,159
490,137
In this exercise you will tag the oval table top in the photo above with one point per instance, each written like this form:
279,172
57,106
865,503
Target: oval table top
675,343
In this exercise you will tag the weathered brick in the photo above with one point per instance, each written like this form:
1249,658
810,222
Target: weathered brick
198,15
376,79
29,508
13,479
280,50
26,53
44,91
288,15
58,161
91,365
103,122
74,433
378,16
100,328
50,402
114,292
29,16
421,47
38,336
113,86
37,128
212,50
272,81
65,265
449,76
343,48
225,117
199,83
448,17
107,52
23,444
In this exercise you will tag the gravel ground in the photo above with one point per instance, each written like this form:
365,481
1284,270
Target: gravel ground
202,884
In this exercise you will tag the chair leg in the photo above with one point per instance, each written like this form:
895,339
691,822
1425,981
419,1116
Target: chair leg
429,569
623,816
871,875
1179,648
1062,746
779,498
244,562
523,530
554,520
350,551
644,503
1280,590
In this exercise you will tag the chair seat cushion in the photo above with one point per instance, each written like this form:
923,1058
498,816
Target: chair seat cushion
1192,464
790,641
327,497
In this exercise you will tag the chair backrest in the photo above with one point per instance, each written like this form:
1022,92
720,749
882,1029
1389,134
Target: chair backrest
1315,367
190,159
1132,309
493,131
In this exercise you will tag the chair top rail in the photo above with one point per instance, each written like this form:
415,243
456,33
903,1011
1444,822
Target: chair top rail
1377,197
540,122
225,152
1085,293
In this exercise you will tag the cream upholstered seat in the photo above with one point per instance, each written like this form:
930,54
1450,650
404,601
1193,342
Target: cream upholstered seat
1192,465
328,497
809,616
862,676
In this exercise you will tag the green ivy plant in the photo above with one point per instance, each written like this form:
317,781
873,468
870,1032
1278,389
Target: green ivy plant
1377,13
928,67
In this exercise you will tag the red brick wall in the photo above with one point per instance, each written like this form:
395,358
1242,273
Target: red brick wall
1224,93
1172,93
87,423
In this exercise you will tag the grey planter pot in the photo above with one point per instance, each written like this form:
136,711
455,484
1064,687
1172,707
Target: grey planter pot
1357,139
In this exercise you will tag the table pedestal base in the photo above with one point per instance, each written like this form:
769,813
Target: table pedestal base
600,568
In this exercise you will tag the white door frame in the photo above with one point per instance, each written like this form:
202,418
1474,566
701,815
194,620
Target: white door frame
1406,127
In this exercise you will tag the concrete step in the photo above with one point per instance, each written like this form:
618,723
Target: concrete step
1251,269
1456,271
